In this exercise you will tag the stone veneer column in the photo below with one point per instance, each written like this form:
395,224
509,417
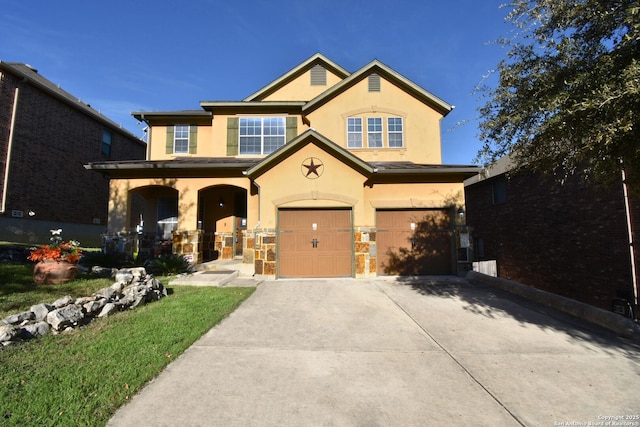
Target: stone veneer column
248,247
189,244
264,242
365,252
224,244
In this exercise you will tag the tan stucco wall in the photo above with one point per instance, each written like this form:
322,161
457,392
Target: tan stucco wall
286,185
187,188
341,186
212,140
407,196
421,123
300,89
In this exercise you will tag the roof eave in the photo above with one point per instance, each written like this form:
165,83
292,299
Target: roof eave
294,72
415,90
299,142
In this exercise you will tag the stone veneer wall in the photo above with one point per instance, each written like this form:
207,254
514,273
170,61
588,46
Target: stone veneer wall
224,245
260,247
264,242
189,244
365,252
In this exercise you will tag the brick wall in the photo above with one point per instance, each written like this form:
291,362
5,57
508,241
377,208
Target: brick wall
52,142
568,239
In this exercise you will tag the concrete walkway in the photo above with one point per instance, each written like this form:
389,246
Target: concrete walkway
437,352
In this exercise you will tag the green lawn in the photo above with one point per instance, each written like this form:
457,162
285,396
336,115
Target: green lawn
81,379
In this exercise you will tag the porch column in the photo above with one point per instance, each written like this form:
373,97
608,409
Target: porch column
187,239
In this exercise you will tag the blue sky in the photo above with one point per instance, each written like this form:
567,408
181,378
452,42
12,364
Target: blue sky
123,56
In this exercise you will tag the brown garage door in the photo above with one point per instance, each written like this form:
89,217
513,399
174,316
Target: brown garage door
314,243
411,242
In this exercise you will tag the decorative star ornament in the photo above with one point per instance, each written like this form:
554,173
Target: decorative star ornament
312,167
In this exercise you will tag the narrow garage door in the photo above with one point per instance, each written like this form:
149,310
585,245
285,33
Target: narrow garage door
315,243
413,242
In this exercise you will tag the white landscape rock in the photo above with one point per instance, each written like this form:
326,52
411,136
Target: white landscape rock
133,287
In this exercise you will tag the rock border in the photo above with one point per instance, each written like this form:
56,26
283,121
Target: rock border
132,287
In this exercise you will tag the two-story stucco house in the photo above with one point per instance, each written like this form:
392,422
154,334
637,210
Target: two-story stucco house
321,173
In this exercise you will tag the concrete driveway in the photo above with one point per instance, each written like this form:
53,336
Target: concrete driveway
389,352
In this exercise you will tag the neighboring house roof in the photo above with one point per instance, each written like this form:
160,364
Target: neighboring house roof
377,67
31,75
295,72
499,167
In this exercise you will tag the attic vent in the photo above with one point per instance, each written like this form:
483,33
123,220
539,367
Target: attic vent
374,83
318,76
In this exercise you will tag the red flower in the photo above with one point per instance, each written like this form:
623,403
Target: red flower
57,250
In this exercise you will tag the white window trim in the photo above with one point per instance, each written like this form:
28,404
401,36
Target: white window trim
380,133
262,134
394,132
176,138
354,133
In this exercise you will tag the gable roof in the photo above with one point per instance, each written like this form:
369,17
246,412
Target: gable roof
31,75
281,81
308,137
377,67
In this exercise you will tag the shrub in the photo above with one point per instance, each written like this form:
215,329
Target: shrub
166,265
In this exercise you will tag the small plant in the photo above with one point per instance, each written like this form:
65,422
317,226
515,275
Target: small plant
57,250
166,265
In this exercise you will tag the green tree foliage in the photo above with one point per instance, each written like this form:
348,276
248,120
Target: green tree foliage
567,98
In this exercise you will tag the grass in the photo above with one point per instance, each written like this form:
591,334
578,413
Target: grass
82,378
18,292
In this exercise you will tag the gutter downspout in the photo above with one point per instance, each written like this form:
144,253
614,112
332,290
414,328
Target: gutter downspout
5,185
632,252
259,197
148,155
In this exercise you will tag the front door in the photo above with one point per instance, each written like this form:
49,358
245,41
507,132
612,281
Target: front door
315,243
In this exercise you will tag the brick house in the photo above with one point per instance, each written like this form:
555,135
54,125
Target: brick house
570,239
46,136
321,173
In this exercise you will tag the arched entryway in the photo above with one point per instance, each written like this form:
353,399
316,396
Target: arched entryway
153,214
222,216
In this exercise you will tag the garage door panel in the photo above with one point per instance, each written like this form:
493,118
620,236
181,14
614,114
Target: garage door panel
315,243
413,242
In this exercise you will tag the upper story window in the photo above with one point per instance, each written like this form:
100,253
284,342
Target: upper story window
499,190
181,139
374,132
380,133
106,143
354,132
395,132
261,135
